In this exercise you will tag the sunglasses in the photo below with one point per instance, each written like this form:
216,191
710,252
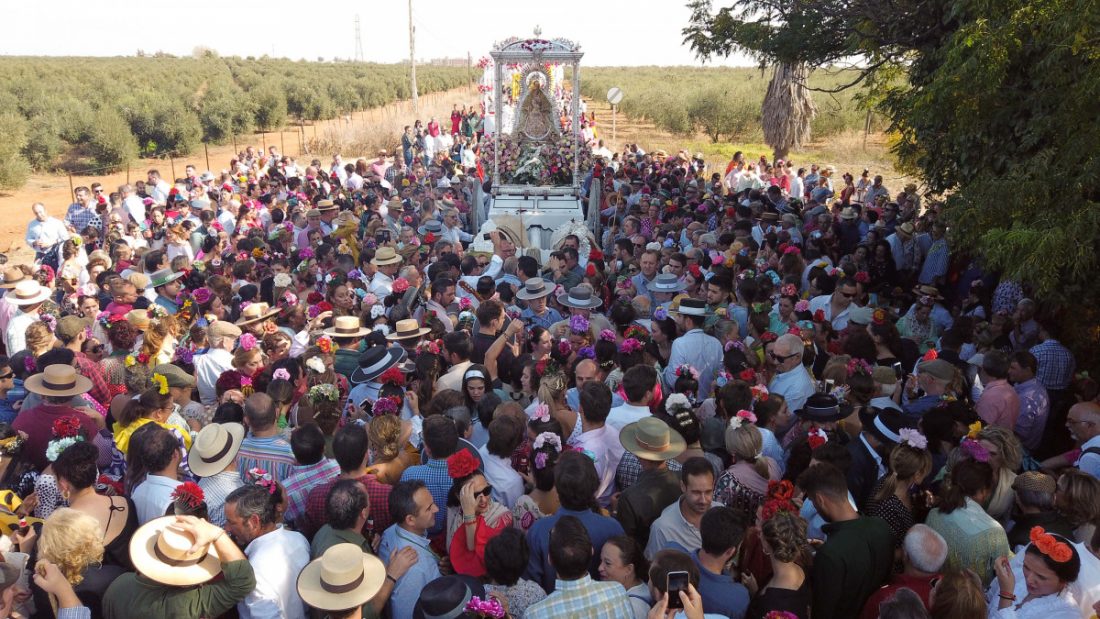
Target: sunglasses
484,492
7,376
779,359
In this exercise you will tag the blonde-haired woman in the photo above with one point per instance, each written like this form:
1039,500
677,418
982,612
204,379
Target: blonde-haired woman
74,542
1005,456
893,500
744,484
39,338
551,400
390,450
161,338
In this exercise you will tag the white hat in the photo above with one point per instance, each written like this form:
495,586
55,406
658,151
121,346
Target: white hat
28,292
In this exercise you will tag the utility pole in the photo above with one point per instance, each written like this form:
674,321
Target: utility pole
358,41
412,60
469,71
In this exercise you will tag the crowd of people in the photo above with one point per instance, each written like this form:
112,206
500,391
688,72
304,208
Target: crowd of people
762,391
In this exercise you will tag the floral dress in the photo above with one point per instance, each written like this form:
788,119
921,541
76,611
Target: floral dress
741,487
525,513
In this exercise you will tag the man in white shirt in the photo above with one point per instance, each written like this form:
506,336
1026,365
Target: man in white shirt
133,204
639,383
681,521
505,434
157,187
221,336
28,296
836,306
387,261
159,451
44,232
598,438
277,555
695,348
792,380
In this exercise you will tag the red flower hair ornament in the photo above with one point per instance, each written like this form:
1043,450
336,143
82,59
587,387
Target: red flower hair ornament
189,493
1050,546
460,464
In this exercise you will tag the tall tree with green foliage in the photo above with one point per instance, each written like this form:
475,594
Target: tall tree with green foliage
993,104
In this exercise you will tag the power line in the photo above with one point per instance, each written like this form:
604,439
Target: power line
358,41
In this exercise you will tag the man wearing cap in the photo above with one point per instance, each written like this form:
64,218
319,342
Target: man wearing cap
167,287
933,378
695,348
1035,508
28,296
313,223
792,380
387,262
209,366
72,332
161,589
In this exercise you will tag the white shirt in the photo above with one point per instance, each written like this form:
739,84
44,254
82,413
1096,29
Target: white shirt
507,483
135,207
52,231
627,413
795,386
1088,462
608,450
824,303
702,352
381,285
159,192
208,367
277,558
153,496
15,336
671,527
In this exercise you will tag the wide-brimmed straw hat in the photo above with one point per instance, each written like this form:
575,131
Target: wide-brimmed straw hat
326,205
160,551
649,438
666,282
214,448
343,577
580,297
28,292
905,229
376,360
407,329
385,256
347,326
58,380
256,312
849,213
12,276
535,288
928,291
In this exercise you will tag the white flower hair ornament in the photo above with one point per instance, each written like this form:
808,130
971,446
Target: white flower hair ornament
741,418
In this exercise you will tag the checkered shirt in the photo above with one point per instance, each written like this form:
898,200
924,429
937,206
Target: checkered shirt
377,492
583,597
301,481
1056,364
435,477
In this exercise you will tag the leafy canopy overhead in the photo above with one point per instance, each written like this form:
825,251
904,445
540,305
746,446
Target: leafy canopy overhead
997,110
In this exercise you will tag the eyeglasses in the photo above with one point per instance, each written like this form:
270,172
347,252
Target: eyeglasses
485,492
7,376
781,359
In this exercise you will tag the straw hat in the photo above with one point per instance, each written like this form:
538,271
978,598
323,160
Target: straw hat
139,319
12,276
256,312
214,448
58,380
407,329
160,551
341,578
28,292
928,291
385,256
346,326
691,307
649,438
535,288
326,205
433,226
905,230
666,282
848,214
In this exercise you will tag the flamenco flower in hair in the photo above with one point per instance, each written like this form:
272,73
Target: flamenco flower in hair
280,374
161,382
578,324
385,406
913,438
392,376
1050,546
630,346
66,427
490,608
324,343
687,370
637,333
247,342
802,306
778,499
975,450
189,493
460,464
741,418
760,393
878,317
748,375
973,430
541,412
816,437
931,355
859,366
400,285
677,401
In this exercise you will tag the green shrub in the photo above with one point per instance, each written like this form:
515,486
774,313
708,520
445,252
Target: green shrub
14,168
44,144
110,142
269,104
225,112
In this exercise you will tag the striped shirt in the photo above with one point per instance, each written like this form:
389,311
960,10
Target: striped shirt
435,477
270,453
303,478
935,263
215,488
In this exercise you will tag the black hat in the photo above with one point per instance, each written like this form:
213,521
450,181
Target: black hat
888,423
824,408
447,596
376,360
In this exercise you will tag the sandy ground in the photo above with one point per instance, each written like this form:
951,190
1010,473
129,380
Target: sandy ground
54,191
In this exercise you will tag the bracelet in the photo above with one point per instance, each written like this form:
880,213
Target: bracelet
469,518
391,579
1009,598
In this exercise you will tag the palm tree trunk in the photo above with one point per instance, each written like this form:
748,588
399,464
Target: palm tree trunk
787,110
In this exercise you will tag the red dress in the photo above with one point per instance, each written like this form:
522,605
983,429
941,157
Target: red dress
472,562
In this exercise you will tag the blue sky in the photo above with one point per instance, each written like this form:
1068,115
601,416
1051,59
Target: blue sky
612,32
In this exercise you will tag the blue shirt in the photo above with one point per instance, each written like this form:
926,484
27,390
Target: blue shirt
435,477
573,399
720,593
600,529
545,321
426,569
922,405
